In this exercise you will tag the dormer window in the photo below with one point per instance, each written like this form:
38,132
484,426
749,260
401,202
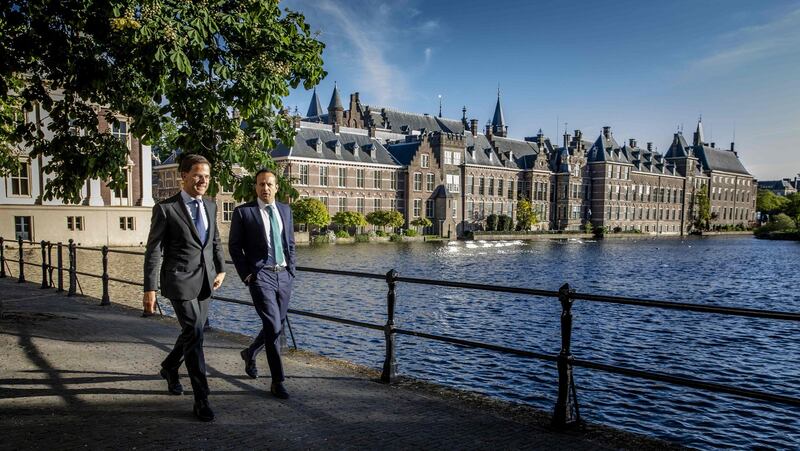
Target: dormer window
318,145
337,147
356,149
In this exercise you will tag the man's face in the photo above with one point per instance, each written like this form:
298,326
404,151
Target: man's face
266,187
195,182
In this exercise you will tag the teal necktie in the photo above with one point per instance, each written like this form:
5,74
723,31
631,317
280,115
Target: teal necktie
275,231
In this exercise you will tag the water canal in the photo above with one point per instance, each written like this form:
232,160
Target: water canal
737,271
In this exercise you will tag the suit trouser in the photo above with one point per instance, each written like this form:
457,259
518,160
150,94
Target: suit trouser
271,292
192,316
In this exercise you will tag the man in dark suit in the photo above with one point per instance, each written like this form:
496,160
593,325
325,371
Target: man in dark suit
183,231
261,244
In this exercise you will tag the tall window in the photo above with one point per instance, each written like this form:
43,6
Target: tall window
429,182
323,176
303,175
393,180
227,210
453,183
120,131
376,204
21,180
425,161
481,186
360,205
376,179
470,184
491,186
324,201
22,227
456,158
342,177
417,181
342,203
417,207
360,178
500,187
429,208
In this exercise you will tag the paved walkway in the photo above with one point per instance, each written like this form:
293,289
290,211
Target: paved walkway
76,375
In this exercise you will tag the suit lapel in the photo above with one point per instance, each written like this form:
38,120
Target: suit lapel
184,213
259,220
211,213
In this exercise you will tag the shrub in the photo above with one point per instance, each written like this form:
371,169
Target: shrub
411,232
380,233
362,238
491,222
342,234
395,238
599,231
320,239
617,229
588,227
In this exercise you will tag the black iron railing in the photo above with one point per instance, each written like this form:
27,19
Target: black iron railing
566,412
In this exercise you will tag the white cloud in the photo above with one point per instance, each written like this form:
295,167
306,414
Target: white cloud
753,43
428,54
363,29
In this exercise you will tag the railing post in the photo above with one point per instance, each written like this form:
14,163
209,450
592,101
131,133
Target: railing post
2,259
49,264
21,262
60,266
43,243
566,413
389,373
72,276
106,300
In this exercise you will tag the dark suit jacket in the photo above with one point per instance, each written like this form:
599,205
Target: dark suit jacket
187,263
248,241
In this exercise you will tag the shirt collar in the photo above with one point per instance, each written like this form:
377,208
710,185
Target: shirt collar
262,204
187,198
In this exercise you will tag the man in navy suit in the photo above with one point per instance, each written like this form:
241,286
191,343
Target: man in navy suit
184,234
261,245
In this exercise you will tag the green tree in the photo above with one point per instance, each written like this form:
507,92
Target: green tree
421,222
769,202
395,219
349,219
491,222
526,217
792,207
703,206
779,222
378,218
210,66
311,212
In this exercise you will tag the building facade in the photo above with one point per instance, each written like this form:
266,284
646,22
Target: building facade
103,216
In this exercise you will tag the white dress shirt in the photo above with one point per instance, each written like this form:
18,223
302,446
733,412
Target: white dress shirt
187,202
262,208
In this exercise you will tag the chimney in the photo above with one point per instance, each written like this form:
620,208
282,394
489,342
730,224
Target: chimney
732,147
578,135
713,145
650,147
607,132
632,142
473,126
566,140
488,130
335,128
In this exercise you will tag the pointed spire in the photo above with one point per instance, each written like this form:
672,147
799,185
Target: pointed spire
336,101
314,108
699,140
498,120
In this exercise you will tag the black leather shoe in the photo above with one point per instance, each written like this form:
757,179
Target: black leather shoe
249,364
202,410
173,383
279,391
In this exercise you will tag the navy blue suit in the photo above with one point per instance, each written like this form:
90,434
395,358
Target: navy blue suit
269,288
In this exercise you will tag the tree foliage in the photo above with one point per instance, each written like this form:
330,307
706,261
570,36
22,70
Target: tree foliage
770,203
702,208
526,217
349,219
385,218
210,66
311,212
421,222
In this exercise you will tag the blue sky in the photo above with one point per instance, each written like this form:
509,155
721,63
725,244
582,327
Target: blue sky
643,68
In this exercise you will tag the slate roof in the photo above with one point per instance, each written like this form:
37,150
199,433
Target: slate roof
352,147
403,152
523,153
714,159
336,101
402,122
679,147
605,148
649,161
498,120
315,108
776,185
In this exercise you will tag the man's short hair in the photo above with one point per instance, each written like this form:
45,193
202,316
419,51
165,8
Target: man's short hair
189,160
265,170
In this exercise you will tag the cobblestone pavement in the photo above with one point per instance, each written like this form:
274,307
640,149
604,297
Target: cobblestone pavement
74,375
